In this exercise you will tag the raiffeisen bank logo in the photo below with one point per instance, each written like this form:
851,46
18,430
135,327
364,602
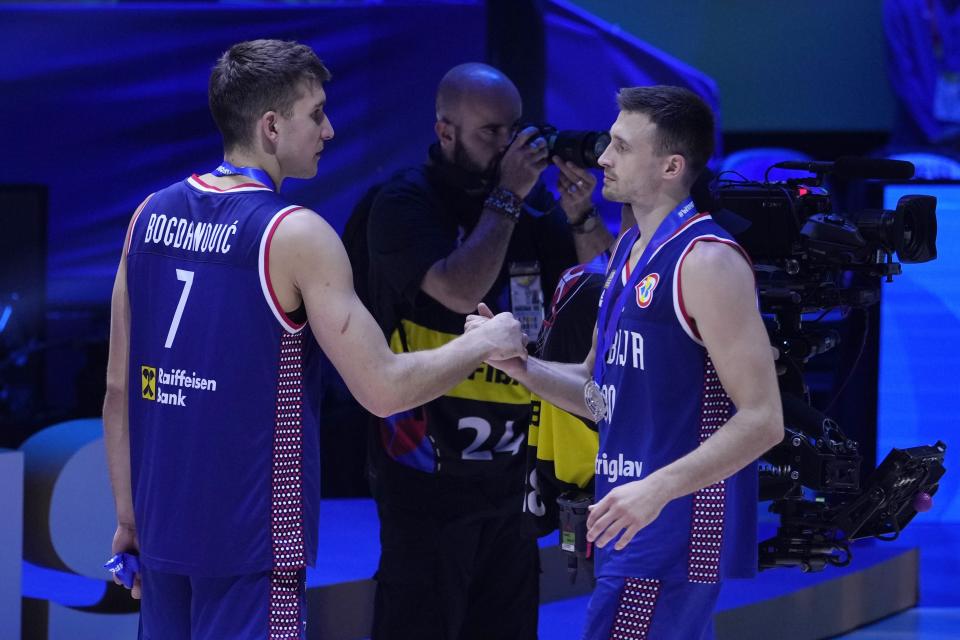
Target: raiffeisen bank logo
167,387
148,382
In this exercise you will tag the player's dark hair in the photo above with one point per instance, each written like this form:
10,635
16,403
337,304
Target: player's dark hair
257,76
684,122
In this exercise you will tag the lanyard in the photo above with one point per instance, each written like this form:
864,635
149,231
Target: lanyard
227,168
609,315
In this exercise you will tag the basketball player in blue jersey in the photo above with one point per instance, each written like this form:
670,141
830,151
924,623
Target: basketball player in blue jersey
210,414
681,380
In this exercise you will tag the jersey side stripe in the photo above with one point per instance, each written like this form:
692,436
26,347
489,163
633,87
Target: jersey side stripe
287,498
709,503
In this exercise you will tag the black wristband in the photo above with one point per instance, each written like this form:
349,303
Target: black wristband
504,202
588,223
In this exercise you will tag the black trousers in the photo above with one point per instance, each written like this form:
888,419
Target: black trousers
471,578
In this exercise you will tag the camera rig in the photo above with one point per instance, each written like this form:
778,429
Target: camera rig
808,259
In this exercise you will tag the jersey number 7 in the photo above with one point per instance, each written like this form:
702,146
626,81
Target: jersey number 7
186,277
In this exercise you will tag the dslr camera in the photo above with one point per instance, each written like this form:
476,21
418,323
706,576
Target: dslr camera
582,148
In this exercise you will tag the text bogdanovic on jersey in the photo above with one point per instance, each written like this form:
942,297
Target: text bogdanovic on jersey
156,385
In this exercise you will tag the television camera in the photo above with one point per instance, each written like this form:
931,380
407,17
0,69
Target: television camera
809,259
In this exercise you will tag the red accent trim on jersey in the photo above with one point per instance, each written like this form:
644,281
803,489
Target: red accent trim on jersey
683,227
266,270
133,223
693,243
627,269
568,279
239,186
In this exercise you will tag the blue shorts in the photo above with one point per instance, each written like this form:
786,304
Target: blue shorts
649,609
264,605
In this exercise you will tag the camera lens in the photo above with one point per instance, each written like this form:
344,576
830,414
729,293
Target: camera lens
917,241
582,148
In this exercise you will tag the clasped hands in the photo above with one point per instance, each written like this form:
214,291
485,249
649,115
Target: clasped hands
627,508
510,364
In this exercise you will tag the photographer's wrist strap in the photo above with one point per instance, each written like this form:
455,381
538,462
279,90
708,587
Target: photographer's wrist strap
586,224
504,202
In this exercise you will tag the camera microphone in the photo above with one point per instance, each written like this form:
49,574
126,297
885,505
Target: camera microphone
855,167
879,168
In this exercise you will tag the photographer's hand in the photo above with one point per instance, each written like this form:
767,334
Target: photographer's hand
576,184
523,162
576,187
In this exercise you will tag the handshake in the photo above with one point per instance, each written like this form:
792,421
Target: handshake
505,341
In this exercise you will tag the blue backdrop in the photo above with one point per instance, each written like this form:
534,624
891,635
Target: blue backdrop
108,103
919,342
105,104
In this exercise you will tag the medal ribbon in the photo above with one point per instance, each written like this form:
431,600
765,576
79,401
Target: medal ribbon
227,168
607,318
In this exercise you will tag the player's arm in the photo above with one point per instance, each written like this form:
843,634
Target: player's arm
461,279
718,291
307,254
115,417
560,383
116,432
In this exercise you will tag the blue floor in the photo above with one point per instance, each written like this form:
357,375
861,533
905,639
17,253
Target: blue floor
350,553
928,623
937,617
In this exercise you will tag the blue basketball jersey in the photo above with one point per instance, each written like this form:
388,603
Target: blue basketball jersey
664,398
224,388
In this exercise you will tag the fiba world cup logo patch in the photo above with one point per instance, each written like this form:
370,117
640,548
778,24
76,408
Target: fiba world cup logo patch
645,290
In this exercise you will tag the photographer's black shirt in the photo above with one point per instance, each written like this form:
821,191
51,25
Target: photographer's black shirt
562,447
478,429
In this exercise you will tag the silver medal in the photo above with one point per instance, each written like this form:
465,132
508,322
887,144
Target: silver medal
593,398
